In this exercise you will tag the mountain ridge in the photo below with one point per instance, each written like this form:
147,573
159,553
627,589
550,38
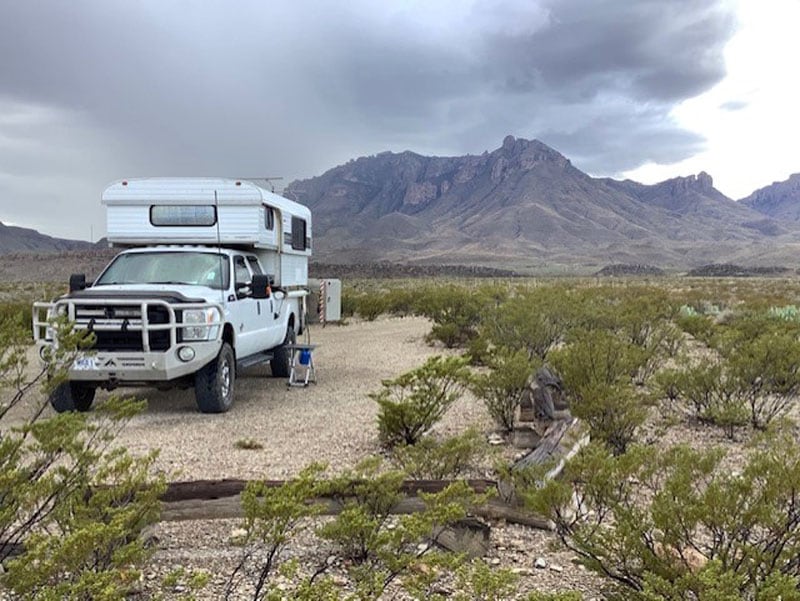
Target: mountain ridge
524,202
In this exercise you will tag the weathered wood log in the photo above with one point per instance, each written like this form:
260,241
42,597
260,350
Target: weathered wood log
219,489
561,441
231,507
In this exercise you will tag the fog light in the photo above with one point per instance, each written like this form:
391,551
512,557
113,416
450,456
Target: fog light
186,354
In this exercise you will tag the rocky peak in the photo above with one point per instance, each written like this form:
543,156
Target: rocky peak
519,154
702,182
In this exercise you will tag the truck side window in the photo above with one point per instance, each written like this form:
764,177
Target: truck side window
240,272
269,218
254,266
298,233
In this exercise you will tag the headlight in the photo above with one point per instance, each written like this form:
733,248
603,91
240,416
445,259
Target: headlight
202,318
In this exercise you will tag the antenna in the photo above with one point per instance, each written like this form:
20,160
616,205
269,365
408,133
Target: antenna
219,253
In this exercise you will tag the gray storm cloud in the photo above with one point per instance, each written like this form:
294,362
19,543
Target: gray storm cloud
91,91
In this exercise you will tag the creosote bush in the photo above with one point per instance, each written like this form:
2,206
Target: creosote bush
433,459
71,504
670,524
411,404
504,385
596,368
379,549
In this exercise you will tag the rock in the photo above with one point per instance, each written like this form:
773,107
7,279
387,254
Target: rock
540,563
556,568
238,536
494,561
522,571
495,439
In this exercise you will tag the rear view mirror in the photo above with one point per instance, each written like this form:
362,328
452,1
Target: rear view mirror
261,286
77,281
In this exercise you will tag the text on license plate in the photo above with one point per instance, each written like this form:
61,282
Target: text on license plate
83,363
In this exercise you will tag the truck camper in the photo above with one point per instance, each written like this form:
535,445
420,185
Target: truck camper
212,277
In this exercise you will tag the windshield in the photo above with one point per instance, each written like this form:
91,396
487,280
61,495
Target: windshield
193,268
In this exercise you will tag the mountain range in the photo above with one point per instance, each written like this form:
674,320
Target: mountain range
15,239
525,207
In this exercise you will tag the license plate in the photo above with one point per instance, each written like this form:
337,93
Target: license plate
84,363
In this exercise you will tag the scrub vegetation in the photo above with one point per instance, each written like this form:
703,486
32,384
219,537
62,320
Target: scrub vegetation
688,489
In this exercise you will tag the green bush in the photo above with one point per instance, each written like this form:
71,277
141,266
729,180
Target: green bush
504,385
74,505
456,312
754,379
532,320
411,404
431,459
712,395
596,368
670,524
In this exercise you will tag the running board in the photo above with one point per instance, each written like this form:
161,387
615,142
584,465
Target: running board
257,359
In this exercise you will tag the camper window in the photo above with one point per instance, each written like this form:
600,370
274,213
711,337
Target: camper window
182,215
269,218
298,233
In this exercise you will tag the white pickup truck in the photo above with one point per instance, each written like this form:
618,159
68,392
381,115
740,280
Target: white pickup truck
215,279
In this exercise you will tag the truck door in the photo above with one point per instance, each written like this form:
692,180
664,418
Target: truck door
244,310
271,318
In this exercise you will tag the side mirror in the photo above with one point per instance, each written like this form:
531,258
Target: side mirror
77,281
261,286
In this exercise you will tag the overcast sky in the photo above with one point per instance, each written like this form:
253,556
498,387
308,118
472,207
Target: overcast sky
97,90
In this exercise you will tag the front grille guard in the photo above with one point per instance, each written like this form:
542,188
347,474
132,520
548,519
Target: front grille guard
43,312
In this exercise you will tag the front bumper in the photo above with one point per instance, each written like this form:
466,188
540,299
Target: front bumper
134,367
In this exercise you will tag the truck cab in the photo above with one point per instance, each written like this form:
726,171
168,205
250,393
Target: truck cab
191,313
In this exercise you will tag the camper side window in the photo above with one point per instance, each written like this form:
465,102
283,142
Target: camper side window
269,218
298,233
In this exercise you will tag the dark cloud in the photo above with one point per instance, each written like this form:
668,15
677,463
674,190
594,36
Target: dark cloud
103,90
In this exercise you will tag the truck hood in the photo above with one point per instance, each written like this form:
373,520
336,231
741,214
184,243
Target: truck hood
176,293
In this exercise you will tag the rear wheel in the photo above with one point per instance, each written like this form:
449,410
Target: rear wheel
214,383
282,356
72,396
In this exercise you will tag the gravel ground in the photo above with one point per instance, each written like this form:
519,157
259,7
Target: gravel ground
332,421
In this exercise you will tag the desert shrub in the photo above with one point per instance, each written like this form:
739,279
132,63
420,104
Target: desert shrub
502,388
712,395
670,524
410,405
70,503
533,320
479,582
272,517
349,302
456,312
371,305
433,459
753,380
596,369
698,326
379,547
402,301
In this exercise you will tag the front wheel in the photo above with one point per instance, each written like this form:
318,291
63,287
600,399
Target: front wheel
72,396
213,384
280,364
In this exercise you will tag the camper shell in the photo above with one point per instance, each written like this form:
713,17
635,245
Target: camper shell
212,277
213,212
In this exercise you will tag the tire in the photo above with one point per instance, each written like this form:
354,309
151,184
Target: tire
72,396
214,383
282,357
